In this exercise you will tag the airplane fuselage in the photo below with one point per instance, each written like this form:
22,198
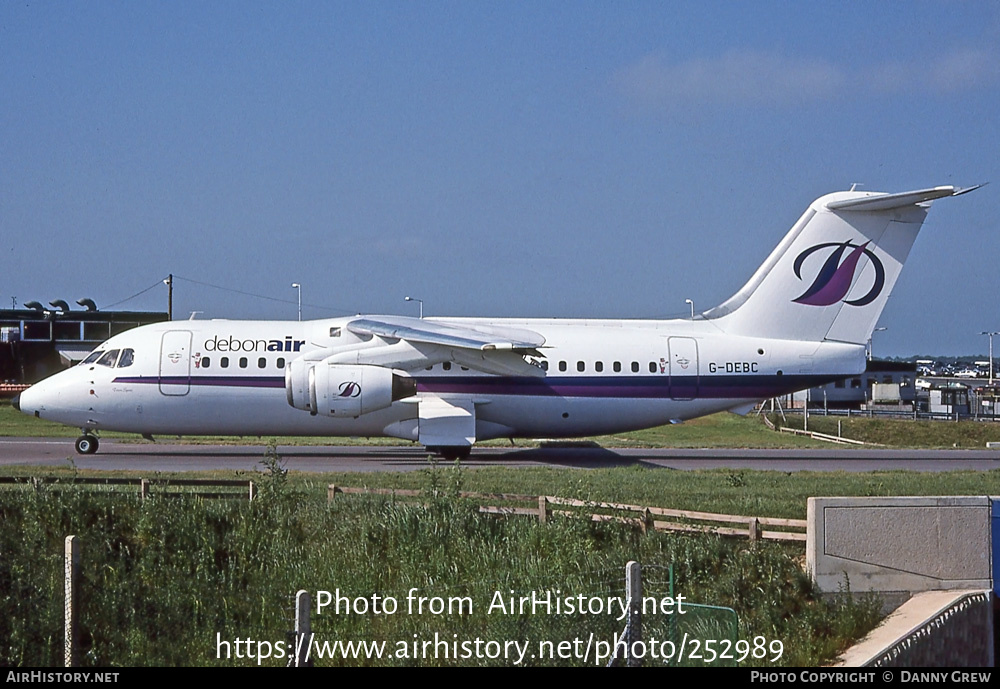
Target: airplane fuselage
599,377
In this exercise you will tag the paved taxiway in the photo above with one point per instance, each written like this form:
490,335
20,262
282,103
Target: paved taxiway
163,456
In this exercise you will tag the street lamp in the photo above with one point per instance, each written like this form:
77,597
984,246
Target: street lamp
691,304
169,282
877,330
419,301
986,332
296,286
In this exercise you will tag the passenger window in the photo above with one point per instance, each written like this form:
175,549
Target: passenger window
599,366
128,356
544,365
243,362
652,367
261,362
580,366
206,362
562,365
224,362
281,362
635,367
446,366
617,366
109,358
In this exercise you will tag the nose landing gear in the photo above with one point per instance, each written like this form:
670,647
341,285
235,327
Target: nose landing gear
87,444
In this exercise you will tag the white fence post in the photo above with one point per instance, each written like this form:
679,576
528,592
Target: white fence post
70,613
633,589
303,637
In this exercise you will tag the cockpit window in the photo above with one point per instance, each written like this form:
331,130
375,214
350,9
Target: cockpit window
109,358
128,356
92,357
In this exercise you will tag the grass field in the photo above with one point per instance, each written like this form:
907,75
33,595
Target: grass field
165,575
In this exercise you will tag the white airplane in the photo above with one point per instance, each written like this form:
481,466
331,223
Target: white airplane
802,320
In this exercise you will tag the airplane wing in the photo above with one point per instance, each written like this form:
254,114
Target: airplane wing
462,336
415,343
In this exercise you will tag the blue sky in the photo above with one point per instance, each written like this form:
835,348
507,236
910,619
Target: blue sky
507,159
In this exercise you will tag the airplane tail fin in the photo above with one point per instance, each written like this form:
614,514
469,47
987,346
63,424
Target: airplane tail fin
831,275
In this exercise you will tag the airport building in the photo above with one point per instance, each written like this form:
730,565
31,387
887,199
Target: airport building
893,387
885,385
37,342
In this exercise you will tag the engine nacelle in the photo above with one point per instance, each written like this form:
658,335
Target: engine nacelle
345,390
297,384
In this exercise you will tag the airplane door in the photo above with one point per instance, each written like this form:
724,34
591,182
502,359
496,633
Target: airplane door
175,362
683,353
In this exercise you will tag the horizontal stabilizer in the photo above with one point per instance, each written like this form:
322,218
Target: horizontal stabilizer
884,202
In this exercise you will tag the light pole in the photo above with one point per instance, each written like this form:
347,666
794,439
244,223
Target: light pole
296,286
169,282
876,330
419,301
691,304
990,334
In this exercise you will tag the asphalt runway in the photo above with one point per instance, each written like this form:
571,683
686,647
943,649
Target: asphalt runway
164,456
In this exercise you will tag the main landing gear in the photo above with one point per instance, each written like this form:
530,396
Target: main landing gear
452,452
87,444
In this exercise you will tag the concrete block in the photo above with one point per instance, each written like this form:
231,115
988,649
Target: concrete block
899,543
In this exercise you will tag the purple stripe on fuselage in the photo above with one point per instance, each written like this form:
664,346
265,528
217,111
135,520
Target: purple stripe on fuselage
213,381
635,387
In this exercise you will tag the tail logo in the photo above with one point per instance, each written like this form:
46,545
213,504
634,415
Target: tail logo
835,278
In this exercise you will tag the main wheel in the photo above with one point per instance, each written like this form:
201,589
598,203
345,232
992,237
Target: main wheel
451,453
87,444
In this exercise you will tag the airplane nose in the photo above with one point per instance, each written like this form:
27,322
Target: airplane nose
16,402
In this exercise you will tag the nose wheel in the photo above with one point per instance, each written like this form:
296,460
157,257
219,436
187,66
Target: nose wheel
87,444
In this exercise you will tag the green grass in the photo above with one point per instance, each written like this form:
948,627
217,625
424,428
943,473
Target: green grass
163,577
730,491
166,575
906,432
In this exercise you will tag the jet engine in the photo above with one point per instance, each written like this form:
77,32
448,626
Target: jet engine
343,389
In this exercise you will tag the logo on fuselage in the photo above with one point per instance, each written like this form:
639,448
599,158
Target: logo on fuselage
232,344
349,389
835,279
